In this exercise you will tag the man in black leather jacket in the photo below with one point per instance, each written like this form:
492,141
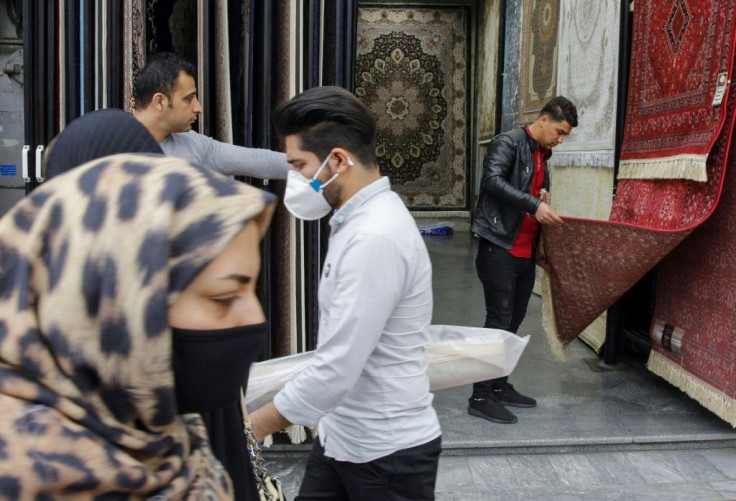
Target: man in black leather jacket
511,206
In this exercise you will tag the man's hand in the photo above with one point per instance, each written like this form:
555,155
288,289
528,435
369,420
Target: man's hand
267,420
547,215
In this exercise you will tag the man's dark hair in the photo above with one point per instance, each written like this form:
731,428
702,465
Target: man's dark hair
561,108
160,74
326,118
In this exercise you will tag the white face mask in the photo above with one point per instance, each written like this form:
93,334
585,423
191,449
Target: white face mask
305,198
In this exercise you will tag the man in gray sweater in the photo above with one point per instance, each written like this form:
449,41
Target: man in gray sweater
165,101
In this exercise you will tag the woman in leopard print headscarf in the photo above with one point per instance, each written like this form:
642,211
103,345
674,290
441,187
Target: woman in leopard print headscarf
90,265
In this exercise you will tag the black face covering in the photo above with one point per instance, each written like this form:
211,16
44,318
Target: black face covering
210,366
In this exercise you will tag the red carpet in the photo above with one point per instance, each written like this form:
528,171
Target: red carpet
592,263
679,50
696,297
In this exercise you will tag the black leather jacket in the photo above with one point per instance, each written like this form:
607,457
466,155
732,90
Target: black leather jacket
504,188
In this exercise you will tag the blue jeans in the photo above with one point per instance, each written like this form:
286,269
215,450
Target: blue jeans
507,286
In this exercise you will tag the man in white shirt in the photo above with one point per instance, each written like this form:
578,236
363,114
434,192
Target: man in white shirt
165,101
367,385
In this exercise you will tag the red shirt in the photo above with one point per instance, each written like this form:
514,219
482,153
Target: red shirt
526,239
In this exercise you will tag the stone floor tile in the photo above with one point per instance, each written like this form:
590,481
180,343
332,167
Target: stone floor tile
483,495
575,470
727,488
560,494
655,467
694,466
453,476
444,496
534,471
615,468
689,491
723,459
493,472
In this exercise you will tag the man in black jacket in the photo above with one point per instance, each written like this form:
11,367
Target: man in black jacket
511,207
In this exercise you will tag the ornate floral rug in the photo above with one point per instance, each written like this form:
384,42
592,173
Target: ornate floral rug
411,72
587,75
686,225
682,49
538,57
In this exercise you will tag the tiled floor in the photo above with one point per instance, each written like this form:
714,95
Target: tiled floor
595,434
704,474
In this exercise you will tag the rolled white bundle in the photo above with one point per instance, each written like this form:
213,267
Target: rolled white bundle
456,356
464,355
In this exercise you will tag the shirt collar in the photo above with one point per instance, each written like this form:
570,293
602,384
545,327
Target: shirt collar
535,145
366,193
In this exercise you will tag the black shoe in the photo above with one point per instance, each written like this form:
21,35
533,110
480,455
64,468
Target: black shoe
488,408
505,394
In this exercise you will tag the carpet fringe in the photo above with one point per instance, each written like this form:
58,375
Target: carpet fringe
708,396
675,167
590,159
548,321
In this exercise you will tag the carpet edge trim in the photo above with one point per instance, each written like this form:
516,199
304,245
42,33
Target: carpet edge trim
705,394
548,321
691,167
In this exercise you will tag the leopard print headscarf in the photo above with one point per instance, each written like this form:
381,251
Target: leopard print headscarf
89,264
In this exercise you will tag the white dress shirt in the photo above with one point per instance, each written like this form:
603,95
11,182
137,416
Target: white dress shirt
367,384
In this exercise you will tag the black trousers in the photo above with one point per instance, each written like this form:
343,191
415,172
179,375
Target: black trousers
405,475
507,286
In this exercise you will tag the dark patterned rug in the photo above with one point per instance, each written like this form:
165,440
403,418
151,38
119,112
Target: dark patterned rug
412,73
540,20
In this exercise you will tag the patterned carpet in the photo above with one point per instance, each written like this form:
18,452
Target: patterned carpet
592,263
411,72
588,76
672,120
538,80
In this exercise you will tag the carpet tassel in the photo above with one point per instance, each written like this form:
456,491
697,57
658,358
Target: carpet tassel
708,396
548,321
691,167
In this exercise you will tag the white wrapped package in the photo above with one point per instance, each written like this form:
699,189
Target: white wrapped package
463,355
266,379
456,356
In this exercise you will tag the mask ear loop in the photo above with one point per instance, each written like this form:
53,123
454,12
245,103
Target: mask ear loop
316,184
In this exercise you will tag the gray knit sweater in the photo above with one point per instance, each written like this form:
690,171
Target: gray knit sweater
226,158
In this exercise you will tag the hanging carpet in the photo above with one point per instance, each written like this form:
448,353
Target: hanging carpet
511,65
694,321
411,71
538,77
671,122
588,76
590,264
